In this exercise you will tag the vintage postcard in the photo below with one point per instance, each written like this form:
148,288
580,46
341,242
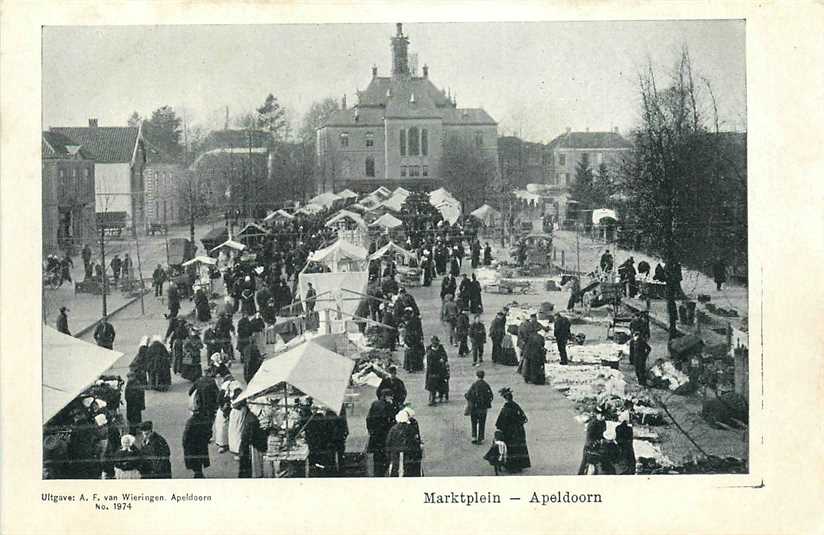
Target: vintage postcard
497,253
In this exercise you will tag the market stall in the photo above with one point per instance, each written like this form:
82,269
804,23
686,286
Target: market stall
450,210
326,200
487,215
81,407
387,221
214,237
338,296
206,270
341,256
280,395
251,235
347,220
278,215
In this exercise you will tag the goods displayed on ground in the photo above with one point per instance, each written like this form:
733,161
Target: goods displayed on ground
663,374
371,367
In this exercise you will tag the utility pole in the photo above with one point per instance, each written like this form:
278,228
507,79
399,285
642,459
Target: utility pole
578,246
139,272
103,262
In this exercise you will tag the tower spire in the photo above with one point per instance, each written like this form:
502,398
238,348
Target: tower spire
400,55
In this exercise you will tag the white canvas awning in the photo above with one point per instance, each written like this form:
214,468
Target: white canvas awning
208,260
347,194
335,290
449,211
387,221
602,213
440,194
309,209
402,191
309,367
390,248
278,214
326,200
525,195
70,366
229,244
346,214
381,193
395,202
486,214
338,253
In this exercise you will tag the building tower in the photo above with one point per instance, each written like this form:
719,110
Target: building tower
400,57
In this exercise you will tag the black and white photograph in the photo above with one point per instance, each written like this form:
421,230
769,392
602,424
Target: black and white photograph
395,250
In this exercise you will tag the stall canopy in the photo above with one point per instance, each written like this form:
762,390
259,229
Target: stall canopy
229,244
309,209
387,221
339,253
278,214
395,202
347,194
487,215
391,248
309,367
346,214
603,213
402,191
208,260
327,200
439,195
344,290
449,211
70,366
381,193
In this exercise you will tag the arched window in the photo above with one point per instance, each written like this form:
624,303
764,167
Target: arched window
370,166
370,139
345,168
403,142
424,142
414,141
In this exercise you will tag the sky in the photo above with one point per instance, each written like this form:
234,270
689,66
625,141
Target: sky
536,79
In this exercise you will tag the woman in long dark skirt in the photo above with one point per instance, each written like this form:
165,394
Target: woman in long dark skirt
159,365
190,367
196,436
510,423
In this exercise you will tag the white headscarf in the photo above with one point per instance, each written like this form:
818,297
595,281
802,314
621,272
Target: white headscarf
127,441
144,341
402,417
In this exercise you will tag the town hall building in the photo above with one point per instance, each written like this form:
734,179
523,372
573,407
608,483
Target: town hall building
395,134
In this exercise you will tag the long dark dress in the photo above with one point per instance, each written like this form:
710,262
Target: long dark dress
196,435
378,422
535,360
190,368
435,368
156,455
204,313
405,438
511,422
159,364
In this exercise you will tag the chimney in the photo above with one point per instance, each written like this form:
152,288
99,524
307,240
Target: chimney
615,130
343,103
399,27
569,130
374,71
425,70
400,55
93,123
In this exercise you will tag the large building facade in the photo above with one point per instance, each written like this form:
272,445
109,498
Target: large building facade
592,149
396,133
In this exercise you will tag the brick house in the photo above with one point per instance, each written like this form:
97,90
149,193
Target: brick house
68,204
395,134
166,182
594,148
119,158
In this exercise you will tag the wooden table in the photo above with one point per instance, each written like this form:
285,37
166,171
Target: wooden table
297,453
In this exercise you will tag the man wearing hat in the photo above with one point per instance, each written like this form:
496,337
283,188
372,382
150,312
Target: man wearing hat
497,331
395,385
63,321
478,401
379,421
156,453
561,330
436,369
104,333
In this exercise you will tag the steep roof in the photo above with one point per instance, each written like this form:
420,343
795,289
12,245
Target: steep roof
375,93
104,144
356,117
459,116
55,145
590,140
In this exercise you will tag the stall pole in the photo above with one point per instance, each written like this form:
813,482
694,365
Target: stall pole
105,281
139,272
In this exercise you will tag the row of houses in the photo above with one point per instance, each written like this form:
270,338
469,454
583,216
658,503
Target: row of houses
113,174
